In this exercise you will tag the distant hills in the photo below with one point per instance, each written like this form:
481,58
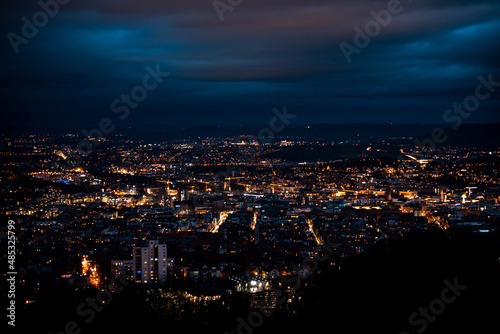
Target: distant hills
470,135
487,135
330,132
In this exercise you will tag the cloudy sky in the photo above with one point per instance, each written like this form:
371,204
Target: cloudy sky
265,54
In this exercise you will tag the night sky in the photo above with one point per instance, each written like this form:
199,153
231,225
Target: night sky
263,55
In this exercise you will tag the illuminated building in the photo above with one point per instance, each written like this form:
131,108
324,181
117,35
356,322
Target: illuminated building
149,264
250,284
121,267
91,271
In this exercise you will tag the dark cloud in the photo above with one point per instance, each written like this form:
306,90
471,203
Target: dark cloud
265,54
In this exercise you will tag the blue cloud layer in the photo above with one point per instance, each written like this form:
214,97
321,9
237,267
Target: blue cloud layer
265,54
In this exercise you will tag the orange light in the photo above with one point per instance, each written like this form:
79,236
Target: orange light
88,269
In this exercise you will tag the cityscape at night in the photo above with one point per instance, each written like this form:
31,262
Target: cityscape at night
250,167
207,231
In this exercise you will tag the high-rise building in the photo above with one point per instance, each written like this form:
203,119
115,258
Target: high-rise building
121,267
182,194
163,197
150,263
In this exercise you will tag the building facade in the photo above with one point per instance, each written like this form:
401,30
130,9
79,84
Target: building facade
149,263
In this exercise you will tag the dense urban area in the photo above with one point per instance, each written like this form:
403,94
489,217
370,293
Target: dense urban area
232,234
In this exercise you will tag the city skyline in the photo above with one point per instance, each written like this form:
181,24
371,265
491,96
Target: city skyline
248,233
